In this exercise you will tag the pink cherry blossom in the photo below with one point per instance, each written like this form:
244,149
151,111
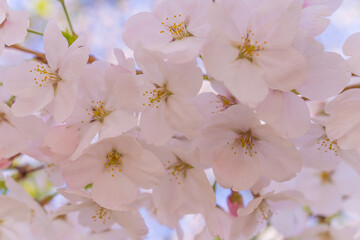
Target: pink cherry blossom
99,218
116,167
13,26
252,51
97,111
167,90
36,85
176,28
19,131
240,150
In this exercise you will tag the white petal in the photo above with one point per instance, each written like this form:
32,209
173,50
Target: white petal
294,119
183,116
237,171
144,28
132,222
55,45
65,100
247,84
144,172
168,196
154,128
198,191
185,79
116,123
284,69
278,158
73,64
113,192
15,28
330,71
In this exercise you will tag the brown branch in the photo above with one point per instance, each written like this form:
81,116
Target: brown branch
24,171
39,55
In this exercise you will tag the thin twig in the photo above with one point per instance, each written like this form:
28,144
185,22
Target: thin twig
67,17
35,32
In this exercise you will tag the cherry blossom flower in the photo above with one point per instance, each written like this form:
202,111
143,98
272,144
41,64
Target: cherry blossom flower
97,111
256,214
343,125
252,51
19,131
36,85
116,167
13,26
167,90
242,150
325,189
319,152
184,187
99,218
176,28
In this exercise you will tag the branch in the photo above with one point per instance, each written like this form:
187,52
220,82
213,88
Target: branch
24,171
39,55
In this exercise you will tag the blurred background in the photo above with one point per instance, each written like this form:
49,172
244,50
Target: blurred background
101,21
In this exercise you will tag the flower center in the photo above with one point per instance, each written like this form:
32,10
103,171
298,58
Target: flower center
48,78
324,144
326,177
155,96
223,103
97,111
245,142
176,28
177,170
249,48
265,210
113,162
101,214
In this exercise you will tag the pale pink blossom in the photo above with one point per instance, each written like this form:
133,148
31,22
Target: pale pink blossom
184,186
241,149
104,107
13,26
166,92
319,152
260,210
343,125
176,28
36,85
19,131
252,50
117,168
99,218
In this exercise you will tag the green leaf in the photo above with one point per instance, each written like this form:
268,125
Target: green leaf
69,36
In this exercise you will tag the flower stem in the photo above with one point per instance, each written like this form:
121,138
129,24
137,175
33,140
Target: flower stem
67,16
35,32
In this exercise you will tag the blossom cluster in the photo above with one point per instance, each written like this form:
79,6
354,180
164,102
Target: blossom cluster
236,94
